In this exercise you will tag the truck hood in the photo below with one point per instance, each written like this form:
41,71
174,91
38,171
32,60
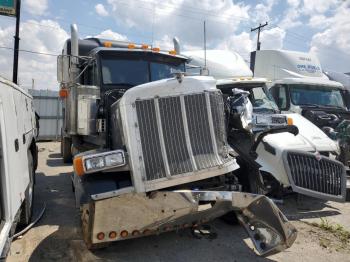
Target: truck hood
310,137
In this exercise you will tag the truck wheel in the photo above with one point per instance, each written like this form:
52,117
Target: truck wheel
27,209
66,144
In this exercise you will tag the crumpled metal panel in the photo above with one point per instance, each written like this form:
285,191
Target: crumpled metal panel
141,214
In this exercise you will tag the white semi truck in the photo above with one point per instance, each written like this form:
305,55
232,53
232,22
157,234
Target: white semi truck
300,86
286,159
149,147
18,160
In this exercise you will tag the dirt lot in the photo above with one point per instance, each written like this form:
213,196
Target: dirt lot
57,236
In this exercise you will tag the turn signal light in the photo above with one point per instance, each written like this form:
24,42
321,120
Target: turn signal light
290,121
63,93
124,233
78,166
147,232
155,49
100,236
131,46
112,234
135,233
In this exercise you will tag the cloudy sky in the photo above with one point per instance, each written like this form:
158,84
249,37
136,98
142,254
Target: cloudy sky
320,26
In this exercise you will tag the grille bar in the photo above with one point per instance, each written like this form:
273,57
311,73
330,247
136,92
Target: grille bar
319,177
181,134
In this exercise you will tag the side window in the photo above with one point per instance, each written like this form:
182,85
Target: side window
282,97
279,93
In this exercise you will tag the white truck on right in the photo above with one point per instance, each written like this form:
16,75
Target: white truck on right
300,86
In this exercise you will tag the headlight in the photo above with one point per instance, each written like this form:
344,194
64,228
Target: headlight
98,162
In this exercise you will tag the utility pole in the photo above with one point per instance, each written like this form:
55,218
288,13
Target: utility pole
259,29
15,53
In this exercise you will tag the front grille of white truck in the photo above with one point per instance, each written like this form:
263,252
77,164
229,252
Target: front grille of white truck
175,133
318,176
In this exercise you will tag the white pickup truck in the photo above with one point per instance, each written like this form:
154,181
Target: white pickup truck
18,160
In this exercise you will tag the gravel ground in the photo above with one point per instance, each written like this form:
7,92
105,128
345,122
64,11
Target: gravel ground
57,237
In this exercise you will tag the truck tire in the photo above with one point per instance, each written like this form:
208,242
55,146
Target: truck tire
66,144
27,207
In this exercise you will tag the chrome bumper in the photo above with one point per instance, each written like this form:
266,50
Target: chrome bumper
134,215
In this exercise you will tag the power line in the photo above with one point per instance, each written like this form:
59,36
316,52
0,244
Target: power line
28,51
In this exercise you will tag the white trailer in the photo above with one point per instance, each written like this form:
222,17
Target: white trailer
18,160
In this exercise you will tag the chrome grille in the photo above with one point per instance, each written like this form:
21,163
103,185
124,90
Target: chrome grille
152,154
174,135
316,176
198,126
163,125
217,111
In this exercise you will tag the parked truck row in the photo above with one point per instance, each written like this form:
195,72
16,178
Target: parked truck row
167,140
150,148
147,135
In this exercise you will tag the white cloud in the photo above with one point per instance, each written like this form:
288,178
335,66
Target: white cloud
242,44
109,34
319,6
101,10
262,11
294,3
319,21
45,36
180,18
36,7
272,38
332,45
291,18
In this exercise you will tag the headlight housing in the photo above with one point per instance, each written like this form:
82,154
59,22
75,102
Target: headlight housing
97,162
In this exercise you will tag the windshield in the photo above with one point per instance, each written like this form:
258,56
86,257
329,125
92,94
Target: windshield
316,95
132,72
262,100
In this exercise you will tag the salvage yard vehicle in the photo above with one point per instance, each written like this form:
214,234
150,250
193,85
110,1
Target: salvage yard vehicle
18,160
300,86
275,156
150,148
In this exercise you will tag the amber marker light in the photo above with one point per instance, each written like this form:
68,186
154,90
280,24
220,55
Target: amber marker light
78,166
135,233
144,46
112,234
290,121
100,236
107,44
124,233
155,49
131,46
172,52
63,93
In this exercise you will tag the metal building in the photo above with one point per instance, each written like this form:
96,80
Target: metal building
49,107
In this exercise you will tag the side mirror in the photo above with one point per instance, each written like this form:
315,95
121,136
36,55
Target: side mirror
63,64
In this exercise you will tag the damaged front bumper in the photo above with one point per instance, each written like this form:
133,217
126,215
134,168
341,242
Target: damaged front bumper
132,215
